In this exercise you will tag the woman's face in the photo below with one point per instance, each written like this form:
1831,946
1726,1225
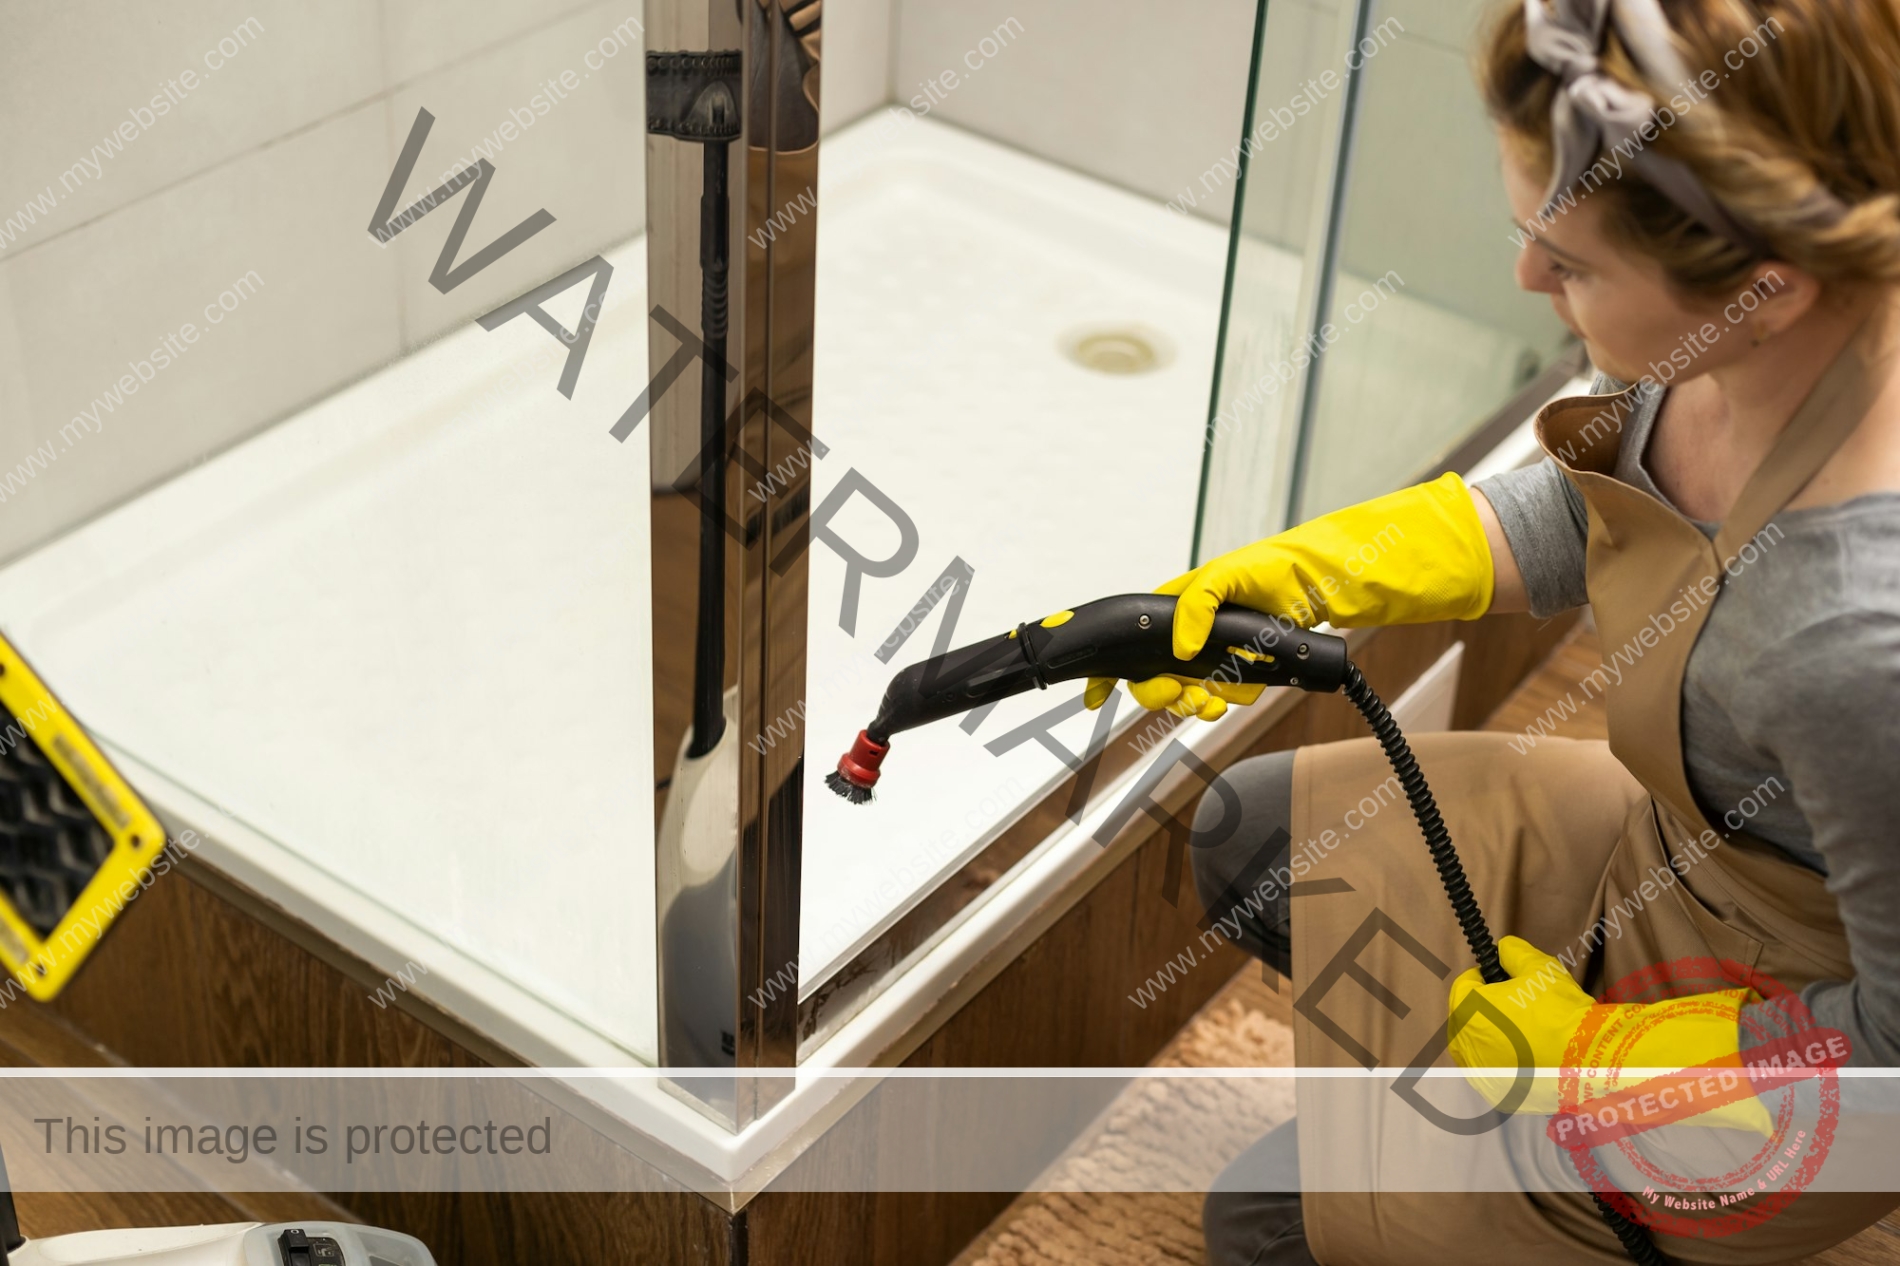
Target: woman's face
1618,302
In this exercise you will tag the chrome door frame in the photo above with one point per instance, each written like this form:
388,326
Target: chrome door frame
727,890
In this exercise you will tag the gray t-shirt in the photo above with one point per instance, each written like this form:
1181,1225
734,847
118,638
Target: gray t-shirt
1790,703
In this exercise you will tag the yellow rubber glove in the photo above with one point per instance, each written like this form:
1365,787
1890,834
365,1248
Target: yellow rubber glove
1695,1040
1410,557
1183,696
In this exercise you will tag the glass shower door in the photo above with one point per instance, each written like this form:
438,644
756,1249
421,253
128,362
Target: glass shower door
1432,332
1018,290
1373,324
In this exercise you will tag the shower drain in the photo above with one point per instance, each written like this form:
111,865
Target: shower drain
1117,349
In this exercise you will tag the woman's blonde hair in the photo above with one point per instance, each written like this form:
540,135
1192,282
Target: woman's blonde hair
1788,98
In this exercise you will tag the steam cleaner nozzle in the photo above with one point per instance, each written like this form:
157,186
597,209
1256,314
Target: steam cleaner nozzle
857,769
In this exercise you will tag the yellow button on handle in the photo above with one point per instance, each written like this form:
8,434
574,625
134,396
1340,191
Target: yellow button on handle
1059,618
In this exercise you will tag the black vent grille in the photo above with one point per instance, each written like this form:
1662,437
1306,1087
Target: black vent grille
50,844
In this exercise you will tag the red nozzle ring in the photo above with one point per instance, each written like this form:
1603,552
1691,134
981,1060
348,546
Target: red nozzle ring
859,766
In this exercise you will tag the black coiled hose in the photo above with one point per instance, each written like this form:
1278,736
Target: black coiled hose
1629,1235
1450,872
1463,904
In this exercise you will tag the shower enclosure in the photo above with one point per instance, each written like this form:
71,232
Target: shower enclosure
488,602
1047,372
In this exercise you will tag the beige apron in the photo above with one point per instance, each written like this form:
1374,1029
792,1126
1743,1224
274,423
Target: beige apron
1559,839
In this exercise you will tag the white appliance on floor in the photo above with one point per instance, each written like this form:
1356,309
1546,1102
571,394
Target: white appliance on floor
225,1244
228,1244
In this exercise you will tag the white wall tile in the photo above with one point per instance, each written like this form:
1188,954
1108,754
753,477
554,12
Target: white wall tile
1124,90
857,69
1303,41
71,73
16,402
1455,24
583,160
87,302
1426,196
426,35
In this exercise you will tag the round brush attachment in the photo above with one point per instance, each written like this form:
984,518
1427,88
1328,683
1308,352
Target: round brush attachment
858,769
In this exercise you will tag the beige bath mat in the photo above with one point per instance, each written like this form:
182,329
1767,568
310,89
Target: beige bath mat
1239,1028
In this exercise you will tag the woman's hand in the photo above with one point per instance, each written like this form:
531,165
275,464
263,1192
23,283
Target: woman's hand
1411,557
1183,696
1540,1019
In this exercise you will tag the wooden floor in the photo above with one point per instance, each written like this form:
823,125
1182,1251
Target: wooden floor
1553,700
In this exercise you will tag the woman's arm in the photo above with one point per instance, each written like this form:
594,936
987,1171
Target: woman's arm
1507,585
1536,525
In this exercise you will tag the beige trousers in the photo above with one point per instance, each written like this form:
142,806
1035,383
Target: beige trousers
1552,838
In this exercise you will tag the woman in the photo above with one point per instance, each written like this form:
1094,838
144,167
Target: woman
1708,194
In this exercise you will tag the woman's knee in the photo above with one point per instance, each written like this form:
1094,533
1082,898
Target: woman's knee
1247,811
1241,832
1255,794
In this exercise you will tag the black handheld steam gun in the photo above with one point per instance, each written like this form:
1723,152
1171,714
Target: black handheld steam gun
1131,636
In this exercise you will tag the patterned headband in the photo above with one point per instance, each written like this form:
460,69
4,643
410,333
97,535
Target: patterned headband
1591,111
